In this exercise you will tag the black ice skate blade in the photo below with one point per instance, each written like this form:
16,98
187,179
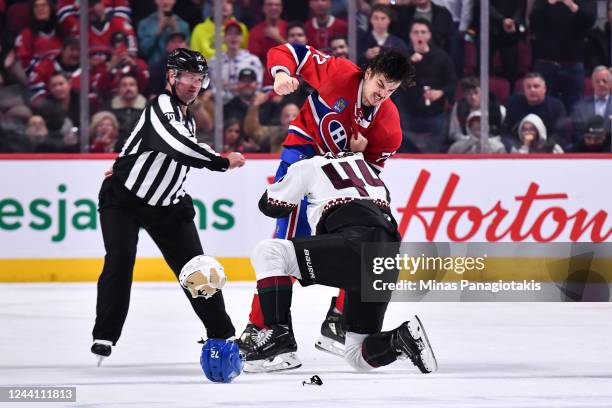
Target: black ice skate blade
426,341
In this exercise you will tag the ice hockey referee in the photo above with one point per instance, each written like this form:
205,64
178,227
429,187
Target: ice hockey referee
145,189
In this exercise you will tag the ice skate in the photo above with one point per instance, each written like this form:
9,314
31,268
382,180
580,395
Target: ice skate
102,349
332,335
410,341
247,339
274,350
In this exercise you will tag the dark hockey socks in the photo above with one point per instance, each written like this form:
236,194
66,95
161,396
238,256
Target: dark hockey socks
377,351
275,299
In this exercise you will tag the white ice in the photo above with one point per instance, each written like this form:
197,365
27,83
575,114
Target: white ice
490,354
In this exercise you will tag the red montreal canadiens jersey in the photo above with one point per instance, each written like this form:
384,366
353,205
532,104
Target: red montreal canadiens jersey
333,114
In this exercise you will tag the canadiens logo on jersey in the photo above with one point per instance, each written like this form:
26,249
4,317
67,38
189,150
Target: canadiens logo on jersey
333,133
333,129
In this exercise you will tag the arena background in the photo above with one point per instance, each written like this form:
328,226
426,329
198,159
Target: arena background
503,354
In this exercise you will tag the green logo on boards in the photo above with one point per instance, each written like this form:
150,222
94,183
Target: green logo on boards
61,216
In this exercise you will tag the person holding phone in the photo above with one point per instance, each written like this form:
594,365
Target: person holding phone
120,63
154,30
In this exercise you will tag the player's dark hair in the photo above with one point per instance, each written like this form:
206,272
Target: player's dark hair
394,66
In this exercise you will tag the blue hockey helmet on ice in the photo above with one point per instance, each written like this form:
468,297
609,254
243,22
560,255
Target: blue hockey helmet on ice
221,360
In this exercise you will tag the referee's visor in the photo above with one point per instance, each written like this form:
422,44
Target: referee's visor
186,60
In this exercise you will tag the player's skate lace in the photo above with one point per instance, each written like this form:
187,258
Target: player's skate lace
247,339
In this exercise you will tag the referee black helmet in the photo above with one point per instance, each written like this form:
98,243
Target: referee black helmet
183,59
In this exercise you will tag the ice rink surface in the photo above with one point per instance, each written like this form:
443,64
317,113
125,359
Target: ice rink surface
490,354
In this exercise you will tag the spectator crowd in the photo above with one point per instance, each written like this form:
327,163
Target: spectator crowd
549,80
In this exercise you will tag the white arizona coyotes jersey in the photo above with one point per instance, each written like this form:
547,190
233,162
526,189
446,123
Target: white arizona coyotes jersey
328,181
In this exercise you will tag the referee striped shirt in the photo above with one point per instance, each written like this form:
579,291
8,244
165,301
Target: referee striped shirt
159,152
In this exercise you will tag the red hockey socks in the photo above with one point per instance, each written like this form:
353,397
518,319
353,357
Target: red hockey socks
340,301
256,316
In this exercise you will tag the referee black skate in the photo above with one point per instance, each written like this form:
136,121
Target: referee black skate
145,189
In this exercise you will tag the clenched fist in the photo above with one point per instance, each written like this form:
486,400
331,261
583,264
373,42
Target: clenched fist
285,84
359,143
236,160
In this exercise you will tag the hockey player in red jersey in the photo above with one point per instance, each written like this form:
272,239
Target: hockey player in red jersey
349,110
347,101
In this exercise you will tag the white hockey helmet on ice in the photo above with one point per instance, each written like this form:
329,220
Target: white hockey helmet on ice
202,276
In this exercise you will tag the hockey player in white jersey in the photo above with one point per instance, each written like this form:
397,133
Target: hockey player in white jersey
348,206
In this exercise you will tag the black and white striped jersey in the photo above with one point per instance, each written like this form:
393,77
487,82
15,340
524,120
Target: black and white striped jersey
159,152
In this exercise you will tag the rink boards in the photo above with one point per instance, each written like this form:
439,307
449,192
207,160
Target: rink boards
49,230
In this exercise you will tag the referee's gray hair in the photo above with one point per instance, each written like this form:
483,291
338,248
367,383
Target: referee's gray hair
600,68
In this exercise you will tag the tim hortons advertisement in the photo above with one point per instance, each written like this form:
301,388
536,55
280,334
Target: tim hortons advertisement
48,207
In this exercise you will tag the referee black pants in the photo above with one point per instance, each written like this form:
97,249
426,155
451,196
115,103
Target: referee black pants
172,229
